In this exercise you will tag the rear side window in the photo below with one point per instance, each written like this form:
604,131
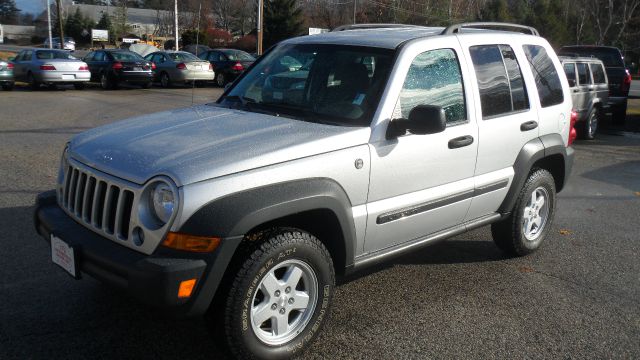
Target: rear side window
500,80
598,74
434,78
99,56
547,79
584,76
570,71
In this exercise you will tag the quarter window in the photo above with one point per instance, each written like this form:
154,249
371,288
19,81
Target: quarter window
500,81
545,74
598,74
584,76
434,78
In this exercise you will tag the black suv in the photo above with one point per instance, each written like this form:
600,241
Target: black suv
619,77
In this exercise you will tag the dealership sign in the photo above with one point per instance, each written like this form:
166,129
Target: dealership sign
99,35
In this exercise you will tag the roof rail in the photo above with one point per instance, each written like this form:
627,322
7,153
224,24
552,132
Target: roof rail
452,29
373,26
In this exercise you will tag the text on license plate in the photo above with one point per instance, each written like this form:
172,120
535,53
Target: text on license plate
63,255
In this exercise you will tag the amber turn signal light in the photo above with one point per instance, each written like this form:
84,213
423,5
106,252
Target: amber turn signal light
186,288
191,243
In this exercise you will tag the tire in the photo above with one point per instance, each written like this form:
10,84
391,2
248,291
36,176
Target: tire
165,81
79,86
591,124
33,84
277,254
105,82
513,235
221,81
619,114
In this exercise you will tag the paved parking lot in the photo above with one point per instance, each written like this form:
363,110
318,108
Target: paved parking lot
578,297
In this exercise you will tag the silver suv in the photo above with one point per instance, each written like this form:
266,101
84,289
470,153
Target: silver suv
382,141
589,91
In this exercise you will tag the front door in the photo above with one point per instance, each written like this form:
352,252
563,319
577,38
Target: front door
421,184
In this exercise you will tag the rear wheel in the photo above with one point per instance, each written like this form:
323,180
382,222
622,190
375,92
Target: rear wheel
165,81
591,124
221,80
33,83
105,82
279,296
619,114
523,231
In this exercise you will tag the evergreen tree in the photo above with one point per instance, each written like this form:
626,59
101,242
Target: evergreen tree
8,12
282,20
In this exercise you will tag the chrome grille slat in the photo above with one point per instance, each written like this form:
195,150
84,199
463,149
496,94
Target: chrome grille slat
105,205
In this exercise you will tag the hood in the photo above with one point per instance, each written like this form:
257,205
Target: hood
204,142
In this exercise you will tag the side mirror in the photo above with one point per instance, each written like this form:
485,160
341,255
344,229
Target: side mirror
423,120
572,82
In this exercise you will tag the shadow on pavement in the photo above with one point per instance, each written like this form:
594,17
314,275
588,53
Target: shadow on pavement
627,174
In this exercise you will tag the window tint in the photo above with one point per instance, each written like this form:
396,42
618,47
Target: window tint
182,56
546,76
434,78
519,97
584,77
570,71
99,56
214,56
88,57
495,97
125,56
598,74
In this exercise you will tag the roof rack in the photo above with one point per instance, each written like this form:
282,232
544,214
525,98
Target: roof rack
452,29
373,26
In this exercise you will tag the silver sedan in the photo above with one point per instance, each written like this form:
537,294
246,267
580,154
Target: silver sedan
50,67
179,67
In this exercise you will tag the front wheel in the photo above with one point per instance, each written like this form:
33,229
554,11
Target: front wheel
523,231
279,299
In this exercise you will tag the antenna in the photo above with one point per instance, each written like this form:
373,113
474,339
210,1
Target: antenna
193,86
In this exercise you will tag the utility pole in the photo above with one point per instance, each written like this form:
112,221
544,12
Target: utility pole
260,25
60,23
176,20
355,3
49,23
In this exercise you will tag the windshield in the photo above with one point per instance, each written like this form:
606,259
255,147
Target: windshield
325,83
53,54
126,56
238,55
182,56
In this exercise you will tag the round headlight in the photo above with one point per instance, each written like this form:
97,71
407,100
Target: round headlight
162,202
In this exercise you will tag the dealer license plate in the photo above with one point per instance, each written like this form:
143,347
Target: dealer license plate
64,256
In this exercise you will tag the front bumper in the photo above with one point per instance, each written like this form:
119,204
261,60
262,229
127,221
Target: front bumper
153,279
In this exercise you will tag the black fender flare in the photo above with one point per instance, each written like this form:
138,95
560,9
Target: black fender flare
533,151
236,214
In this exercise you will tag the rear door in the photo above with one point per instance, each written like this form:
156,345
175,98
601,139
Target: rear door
422,184
600,83
507,117
586,90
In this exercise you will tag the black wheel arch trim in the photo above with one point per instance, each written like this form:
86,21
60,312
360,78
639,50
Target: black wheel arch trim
533,151
238,213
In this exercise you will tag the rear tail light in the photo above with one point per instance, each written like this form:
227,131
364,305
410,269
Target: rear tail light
83,68
181,66
153,66
210,66
626,82
117,66
47,67
10,66
572,127
237,67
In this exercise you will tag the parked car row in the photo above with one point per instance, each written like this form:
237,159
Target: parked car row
112,67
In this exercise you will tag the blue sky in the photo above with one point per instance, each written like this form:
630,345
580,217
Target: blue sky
31,6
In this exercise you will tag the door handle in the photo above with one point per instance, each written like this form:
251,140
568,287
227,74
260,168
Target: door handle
461,141
528,125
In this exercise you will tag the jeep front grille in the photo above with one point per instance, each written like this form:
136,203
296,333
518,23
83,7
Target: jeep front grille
97,203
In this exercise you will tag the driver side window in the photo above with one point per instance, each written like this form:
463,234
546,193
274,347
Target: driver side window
434,78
